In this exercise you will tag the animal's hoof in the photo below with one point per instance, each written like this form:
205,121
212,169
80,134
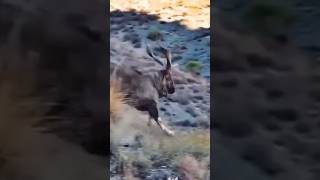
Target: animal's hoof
170,133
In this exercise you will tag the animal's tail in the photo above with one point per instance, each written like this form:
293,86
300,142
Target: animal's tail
116,100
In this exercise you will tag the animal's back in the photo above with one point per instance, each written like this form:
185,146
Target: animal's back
134,84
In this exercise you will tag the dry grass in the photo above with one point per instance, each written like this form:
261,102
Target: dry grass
176,152
128,174
116,100
197,141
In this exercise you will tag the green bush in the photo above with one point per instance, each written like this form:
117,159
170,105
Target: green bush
193,66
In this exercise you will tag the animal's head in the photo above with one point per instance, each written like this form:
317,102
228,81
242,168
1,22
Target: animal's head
166,83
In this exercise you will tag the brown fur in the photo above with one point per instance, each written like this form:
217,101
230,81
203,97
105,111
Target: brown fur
143,89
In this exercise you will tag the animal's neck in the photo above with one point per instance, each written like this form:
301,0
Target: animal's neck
155,78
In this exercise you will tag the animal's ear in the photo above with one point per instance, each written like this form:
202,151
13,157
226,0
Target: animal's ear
168,57
155,58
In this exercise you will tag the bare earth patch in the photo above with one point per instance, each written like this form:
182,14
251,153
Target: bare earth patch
193,13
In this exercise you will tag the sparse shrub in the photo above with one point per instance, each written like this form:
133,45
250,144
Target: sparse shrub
193,66
155,35
192,169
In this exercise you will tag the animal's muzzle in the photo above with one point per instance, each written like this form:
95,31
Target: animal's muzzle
171,90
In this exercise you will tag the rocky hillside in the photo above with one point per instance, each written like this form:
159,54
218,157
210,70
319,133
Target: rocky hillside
146,151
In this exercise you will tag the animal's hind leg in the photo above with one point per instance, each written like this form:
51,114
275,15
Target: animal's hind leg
154,114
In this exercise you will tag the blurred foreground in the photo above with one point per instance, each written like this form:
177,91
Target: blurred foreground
266,92
52,80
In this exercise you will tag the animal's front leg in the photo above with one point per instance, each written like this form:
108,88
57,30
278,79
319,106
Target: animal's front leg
153,112
165,128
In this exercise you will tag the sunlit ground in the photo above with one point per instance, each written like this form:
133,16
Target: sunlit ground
192,13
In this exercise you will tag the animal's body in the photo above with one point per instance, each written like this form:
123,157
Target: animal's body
142,90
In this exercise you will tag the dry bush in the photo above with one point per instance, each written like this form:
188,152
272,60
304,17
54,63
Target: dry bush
193,169
197,143
170,150
127,173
